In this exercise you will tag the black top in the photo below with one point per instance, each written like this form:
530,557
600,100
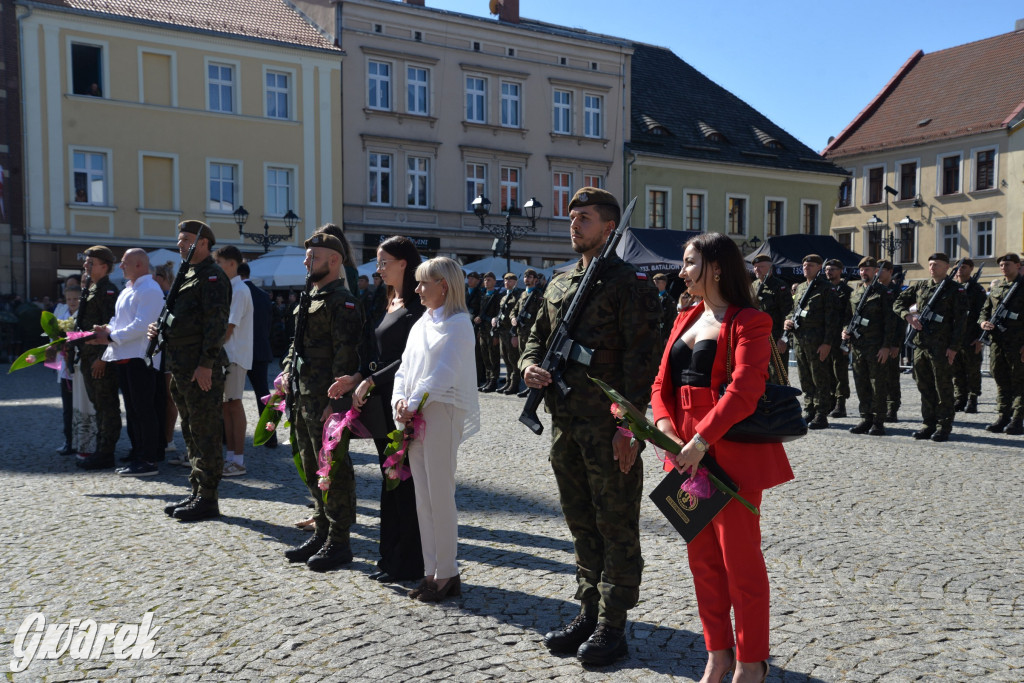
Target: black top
692,367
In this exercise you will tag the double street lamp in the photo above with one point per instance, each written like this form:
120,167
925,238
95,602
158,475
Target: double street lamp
507,231
266,240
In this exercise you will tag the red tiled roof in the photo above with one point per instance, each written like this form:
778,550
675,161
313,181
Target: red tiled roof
963,90
270,20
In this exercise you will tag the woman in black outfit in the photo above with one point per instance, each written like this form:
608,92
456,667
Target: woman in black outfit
401,558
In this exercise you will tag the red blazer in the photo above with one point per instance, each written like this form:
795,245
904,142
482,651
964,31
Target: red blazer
751,466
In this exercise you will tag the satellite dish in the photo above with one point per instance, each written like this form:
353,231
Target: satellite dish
495,4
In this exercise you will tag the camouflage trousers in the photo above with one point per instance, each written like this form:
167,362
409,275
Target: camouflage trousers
967,373
816,377
510,355
839,363
202,426
871,379
934,377
490,353
104,396
334,509
894,398
601,506
1008,372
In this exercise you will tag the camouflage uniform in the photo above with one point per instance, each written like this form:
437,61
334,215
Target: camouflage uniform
473,298
774,298
668,316
932,371
525,313
328,349
893,396
839,362
97,308
1004,354
509,353
195,338
819,325
877,331
601,505
487,340
967,366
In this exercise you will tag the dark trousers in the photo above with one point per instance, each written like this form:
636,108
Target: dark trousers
139,385
66,404
401,555
258,379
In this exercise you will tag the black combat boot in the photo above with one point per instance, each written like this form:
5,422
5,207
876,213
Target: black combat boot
97,461
306,550
820,421
999,425
959,403
199,508
972,404
1015,428
606,645
169,509
809,414
861,427
840,409
524,393
332,555
490,387
890,415
941,434
569,638
877,429
925,432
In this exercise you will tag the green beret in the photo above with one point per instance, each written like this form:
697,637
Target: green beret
199,229
591,196
835,263
813,258
473,274
868,262
530,271
967,262
885,265
102,253
939,256
761,258
322,239
1005,257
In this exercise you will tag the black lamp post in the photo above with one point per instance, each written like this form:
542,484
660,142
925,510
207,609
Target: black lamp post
507,231
892,243
266,240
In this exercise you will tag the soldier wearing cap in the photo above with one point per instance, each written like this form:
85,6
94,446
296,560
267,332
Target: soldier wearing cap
507,336
487,339
99,298
892,366
773,297
1006,358
838,359
871,340
327,349
937,347
599,478
818,310
474,295
195,357
525,312
967,366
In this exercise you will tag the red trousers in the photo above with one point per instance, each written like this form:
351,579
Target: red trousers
729,573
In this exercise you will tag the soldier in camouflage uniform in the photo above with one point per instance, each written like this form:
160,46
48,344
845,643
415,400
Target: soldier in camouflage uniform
487,339
97,308
474,293
937,347
509,350
600,481
328,349
525,312
819,325
194,354
967,366
1006,356
838,360
773,296
893,369
870,350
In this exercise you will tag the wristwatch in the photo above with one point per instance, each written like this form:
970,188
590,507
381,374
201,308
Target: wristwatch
699,443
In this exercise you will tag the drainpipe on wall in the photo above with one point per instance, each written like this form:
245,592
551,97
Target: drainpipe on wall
629,180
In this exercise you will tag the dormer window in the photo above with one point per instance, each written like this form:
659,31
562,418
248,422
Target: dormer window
709,133
767,140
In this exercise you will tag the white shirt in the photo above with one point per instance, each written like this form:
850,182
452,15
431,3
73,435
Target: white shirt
138,305
239,345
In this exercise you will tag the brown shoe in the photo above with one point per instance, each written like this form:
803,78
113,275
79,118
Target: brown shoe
425,584
434,594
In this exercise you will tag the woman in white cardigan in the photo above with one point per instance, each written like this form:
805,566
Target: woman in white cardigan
434,363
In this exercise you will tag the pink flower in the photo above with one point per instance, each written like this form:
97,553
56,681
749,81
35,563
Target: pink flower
30,359
324,483
618,411
270,426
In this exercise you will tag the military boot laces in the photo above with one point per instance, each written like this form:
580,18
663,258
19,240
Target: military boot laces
306,550
572,635
607,645
332,555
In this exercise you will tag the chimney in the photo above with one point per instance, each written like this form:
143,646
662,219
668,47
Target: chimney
417,3
1019,26
508,11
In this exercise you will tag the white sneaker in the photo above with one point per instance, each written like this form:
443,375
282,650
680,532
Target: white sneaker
170,448
233,469
180,459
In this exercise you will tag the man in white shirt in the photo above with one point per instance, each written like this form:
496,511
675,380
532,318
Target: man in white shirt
138,305
238,346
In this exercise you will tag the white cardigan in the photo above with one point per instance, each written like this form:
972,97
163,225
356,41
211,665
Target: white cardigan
439,359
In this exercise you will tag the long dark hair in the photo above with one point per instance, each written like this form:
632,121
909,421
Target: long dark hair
734,283
347,259
403,248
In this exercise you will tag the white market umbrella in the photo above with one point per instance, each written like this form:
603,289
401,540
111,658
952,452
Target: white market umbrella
496,265
280,267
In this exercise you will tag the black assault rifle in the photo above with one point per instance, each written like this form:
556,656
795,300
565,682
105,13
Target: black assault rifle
1001,313
166,317
853,328
927,316
298,343
801,307
562,348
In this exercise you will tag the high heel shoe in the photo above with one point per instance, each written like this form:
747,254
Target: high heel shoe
434,594
425,584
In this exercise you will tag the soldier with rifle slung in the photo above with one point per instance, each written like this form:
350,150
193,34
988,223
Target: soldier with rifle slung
893,286
599,478
772,295
1002,321
967,366
936,311
525,312
838,361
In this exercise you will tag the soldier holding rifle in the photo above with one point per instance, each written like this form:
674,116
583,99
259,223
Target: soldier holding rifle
838,360
1002,320
600,480
967,366
525,312
772,296
893,370
936,310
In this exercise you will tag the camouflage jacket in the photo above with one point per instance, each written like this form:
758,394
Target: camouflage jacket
952,307
843,292
894,288
1014,328
525,311
619,322
198,319
506,306
95,308
669,311
774,298
879,324
976,297
823,315
488,309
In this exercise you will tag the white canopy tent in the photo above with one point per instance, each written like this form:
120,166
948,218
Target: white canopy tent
280,267
157,257
496,265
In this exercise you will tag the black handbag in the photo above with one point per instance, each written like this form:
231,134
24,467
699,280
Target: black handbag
778,417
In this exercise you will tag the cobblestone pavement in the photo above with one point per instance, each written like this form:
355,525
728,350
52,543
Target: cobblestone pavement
890,560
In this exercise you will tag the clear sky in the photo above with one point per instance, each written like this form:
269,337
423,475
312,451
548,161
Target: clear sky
808,65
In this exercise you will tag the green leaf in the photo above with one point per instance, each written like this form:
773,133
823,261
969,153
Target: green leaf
38,354
51,326
269,414
638,423
296,456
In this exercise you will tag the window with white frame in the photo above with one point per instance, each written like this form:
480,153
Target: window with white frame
873,235
509,189
908,244
278,95
379,179
985,169
561,188
90,178
736,218
280,190
907,179
417,85
510,105
592,124
220,82
378,80
874,182
476,183
223,187
811,217
562,124
984,237
87,70
476,99
417,180
845,193
695,210
657,207
948,167
774,217
949,236
593,181
845,238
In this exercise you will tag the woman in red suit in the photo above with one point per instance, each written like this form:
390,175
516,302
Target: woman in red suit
725,558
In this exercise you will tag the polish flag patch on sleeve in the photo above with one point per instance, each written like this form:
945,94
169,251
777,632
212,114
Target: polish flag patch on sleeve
641,276
349,304
212,278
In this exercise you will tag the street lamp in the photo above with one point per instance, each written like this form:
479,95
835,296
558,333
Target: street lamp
507,231
266,240
892,244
